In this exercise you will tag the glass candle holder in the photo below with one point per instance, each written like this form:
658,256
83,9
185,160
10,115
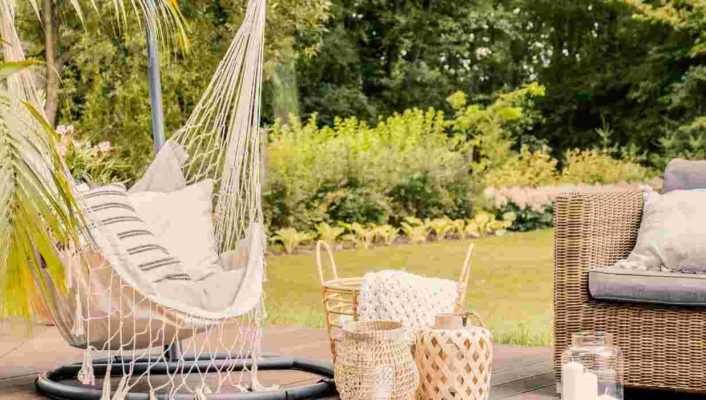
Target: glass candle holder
592,368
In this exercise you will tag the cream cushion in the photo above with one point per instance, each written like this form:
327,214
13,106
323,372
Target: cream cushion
183,221
672,235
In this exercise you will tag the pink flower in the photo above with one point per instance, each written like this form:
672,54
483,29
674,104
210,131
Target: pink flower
64,130
104,147
541,198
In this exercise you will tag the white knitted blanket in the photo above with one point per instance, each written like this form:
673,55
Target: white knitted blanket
413,300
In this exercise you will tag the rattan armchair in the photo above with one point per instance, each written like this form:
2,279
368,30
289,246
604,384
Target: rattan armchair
664,346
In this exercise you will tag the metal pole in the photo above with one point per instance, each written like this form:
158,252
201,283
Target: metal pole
155,89
173,351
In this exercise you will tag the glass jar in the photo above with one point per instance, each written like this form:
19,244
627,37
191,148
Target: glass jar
592,368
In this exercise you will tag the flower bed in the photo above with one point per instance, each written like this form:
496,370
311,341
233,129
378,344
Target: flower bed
534,207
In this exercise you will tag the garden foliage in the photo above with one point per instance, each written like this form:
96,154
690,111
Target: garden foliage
637,65
404,166
414,164
420,173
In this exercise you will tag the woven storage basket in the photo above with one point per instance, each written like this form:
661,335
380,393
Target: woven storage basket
374,362
454,359
340,295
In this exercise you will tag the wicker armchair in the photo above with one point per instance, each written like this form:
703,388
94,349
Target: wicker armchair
664,346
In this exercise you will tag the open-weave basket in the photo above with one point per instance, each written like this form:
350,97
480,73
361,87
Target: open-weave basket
454,359
374,362
341,295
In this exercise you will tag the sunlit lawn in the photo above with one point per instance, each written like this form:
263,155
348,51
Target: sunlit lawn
511,281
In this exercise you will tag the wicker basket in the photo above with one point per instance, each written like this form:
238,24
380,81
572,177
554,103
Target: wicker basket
454,359
374,362
340,295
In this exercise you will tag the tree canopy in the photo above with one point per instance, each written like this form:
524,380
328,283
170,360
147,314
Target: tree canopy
623,67
629,72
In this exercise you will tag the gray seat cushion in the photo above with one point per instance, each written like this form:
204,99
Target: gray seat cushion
684,175
670,288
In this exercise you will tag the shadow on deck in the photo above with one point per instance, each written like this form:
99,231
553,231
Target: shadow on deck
518,372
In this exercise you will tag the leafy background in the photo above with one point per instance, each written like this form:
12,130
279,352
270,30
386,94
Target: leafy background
601,67
378,111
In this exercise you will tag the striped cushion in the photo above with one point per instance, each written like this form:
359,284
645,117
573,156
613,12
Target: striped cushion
110,208
183,220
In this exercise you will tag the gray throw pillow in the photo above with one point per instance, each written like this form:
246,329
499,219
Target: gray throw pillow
684,175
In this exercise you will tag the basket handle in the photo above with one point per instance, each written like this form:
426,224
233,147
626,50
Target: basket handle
477,317
319,263
463,280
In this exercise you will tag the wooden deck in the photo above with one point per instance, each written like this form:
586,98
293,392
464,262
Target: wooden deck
518,372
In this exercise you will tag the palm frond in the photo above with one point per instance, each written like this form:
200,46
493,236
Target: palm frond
163,18
38,213
11,67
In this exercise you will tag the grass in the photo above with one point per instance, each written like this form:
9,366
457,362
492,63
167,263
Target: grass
511,281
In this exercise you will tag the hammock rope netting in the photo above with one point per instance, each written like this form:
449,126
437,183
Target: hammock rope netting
104,305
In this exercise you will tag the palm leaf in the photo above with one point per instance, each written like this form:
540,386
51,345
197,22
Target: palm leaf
11,67
38,212
162,17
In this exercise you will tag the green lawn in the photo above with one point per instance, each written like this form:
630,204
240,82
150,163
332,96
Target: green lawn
511,281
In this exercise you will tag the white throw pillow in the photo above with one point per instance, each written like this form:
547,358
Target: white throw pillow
672,235
183,221
126,238
164,173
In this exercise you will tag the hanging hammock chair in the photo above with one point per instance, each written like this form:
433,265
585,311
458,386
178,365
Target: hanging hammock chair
177,261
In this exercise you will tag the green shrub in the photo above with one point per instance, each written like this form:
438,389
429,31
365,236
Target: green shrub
528,168
416,196
687,141
458,227
491,130
529,219
354,204
91,163
441,227
484,224
405,166
362,236
387,234
599,167
328,233
291,238
415,230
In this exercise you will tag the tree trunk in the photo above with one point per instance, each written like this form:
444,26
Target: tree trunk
54,67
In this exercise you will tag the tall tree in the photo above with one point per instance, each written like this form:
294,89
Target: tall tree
604,70
383,56
162,17
684,96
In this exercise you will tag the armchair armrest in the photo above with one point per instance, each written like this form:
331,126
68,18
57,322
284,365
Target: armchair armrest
590,230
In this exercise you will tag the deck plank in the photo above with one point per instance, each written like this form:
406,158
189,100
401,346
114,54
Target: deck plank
519,373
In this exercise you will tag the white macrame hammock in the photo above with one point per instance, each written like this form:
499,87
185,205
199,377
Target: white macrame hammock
102,309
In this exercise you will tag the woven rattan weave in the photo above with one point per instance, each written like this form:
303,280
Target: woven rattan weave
664,346
374,362
454,359
340,295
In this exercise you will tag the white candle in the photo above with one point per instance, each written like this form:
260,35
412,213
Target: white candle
571,379
589,386
606,396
